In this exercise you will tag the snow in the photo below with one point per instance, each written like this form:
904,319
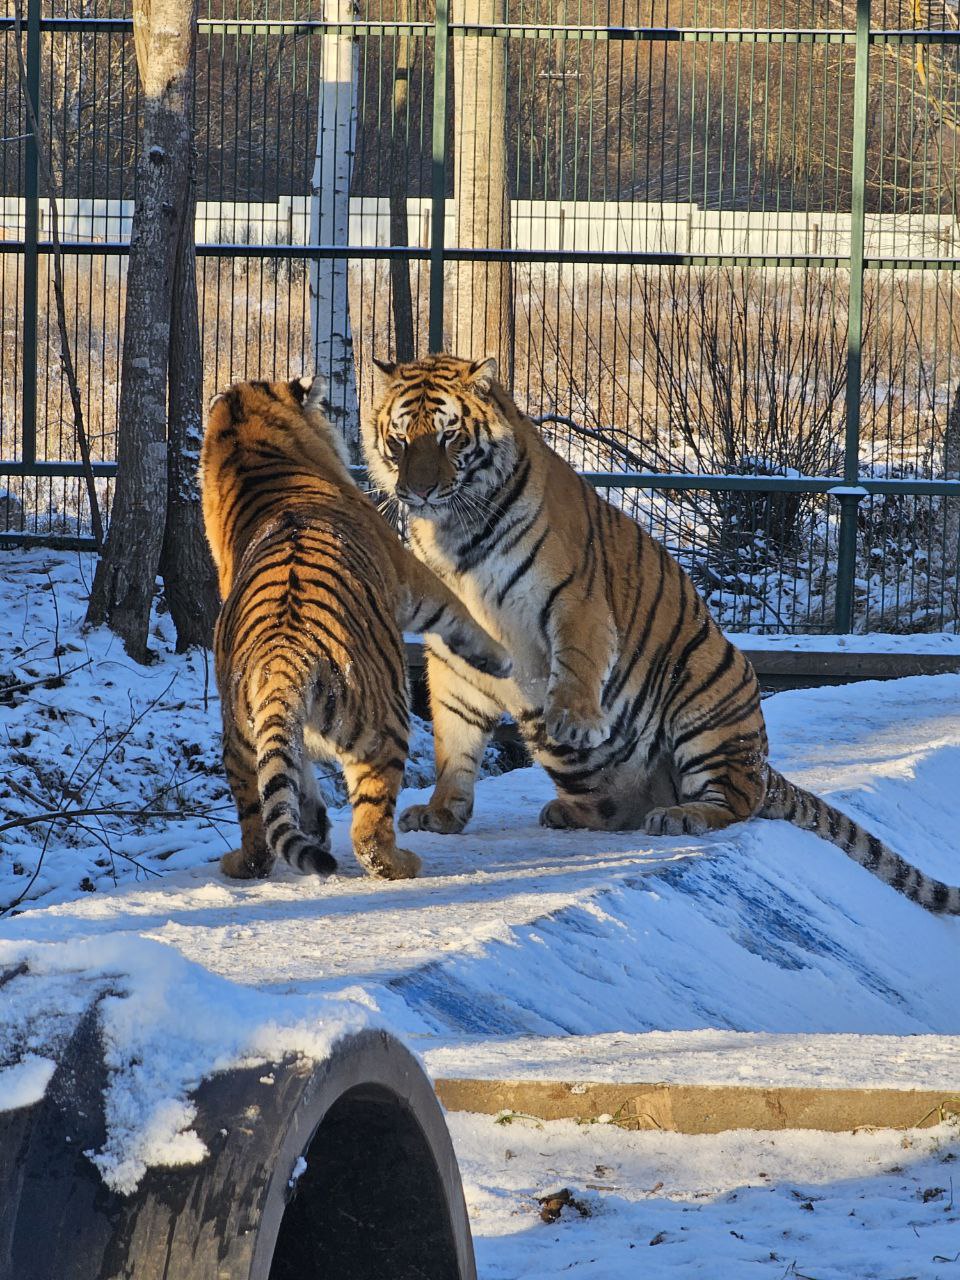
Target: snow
860,1206
25,1082
938,643
709,1058
758,954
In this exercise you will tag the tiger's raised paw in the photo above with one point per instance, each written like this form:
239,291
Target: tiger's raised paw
482,653
424,817
674,821
571,726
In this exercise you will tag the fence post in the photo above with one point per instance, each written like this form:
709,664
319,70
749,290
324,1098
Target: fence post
849,501
438,190
31,235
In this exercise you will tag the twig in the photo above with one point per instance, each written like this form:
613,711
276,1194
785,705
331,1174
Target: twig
32,684
65,350
56,621
113,811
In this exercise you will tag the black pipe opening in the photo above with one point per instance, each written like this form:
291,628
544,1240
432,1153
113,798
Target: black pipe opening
370,1204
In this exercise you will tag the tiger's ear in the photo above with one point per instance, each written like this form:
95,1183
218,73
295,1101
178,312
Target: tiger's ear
482,374
301,387
384,371
309,390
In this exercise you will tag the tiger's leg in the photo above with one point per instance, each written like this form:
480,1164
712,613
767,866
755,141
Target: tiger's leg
253,859
372,785
464,717
583,641
427,605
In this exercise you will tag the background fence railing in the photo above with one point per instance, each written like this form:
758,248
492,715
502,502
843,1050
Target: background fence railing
730,234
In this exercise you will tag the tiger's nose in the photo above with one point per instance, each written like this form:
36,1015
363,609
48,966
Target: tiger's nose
421,490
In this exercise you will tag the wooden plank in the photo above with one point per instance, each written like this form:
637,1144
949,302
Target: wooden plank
684,1108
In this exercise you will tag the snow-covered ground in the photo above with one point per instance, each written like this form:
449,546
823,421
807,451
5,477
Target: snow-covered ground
512,932
728,1206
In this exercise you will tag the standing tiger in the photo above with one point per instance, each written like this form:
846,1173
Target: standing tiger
624,688
308,646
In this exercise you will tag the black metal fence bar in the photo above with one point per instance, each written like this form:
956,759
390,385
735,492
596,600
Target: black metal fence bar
748,94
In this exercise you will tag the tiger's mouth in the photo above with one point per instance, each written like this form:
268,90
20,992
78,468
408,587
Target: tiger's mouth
427,503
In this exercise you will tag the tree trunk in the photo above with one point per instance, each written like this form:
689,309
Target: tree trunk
483,321
330,223
189,577
123,588
400,293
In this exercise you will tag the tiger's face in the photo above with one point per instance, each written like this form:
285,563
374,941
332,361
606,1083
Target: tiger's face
437,441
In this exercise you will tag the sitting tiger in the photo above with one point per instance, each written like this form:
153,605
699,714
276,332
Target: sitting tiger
309,652
624,688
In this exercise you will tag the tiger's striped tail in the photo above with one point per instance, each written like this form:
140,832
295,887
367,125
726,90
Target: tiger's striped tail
786,800
278,720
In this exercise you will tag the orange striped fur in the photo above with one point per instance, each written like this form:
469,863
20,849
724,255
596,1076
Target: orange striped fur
309,650
626,691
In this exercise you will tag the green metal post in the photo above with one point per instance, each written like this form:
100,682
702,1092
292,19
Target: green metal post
850,501
31,191
438,216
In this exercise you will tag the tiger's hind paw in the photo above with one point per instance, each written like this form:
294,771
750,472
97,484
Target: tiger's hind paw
559,816
239,864
389,863
677,820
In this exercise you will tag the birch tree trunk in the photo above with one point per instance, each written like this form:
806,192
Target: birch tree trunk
483,320
123,589
401,297
330,223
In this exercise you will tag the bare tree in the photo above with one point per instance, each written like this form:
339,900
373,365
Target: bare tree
123,589
483,316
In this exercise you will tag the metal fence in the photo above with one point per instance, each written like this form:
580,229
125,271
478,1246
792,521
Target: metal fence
731,233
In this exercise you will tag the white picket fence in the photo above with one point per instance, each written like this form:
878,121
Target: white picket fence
586,225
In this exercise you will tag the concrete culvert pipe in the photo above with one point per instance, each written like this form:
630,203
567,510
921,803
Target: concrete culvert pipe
342,1169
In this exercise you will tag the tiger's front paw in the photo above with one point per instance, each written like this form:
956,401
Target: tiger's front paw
571,723
424,817
482,653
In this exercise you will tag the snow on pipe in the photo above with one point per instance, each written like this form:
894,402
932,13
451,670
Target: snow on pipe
342,1168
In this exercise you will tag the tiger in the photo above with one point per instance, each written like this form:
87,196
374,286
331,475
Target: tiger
644,715
308,646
